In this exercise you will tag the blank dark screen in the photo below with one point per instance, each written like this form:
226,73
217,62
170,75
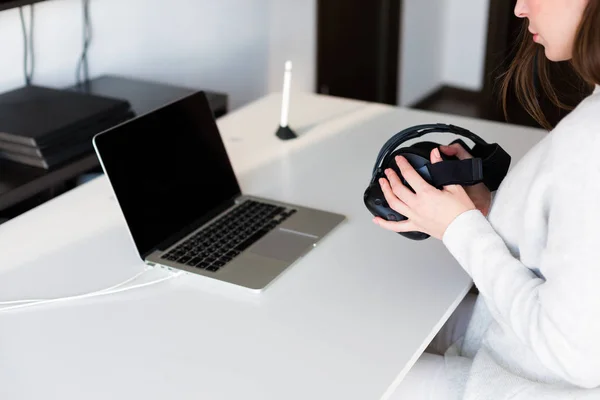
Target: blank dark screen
168,169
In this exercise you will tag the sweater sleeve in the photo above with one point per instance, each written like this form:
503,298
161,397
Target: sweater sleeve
557,316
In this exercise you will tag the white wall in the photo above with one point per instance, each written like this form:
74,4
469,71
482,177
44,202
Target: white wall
443,43
217,45
292,36
421,49
235,46
465,35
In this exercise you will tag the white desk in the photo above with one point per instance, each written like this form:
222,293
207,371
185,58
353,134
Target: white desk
347,322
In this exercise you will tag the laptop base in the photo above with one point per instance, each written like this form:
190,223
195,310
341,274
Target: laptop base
258,265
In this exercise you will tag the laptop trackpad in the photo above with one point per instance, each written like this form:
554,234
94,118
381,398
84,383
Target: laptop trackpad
283,245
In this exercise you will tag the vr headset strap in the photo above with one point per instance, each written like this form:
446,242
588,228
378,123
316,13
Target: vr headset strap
495,162
456,172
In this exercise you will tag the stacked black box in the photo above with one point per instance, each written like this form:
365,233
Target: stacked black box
45,127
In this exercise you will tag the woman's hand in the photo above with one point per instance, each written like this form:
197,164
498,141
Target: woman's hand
429,210
480,195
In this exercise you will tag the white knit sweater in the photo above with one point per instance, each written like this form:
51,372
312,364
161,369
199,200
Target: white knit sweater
535,331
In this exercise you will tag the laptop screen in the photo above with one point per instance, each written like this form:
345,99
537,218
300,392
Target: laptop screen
169,169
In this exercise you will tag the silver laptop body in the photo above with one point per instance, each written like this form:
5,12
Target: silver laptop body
174,183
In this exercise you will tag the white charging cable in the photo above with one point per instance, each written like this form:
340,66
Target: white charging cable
7,303
110,290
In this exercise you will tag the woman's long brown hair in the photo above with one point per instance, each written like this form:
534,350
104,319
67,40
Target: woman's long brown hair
530,57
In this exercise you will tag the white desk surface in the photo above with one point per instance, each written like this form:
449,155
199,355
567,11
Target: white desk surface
346,322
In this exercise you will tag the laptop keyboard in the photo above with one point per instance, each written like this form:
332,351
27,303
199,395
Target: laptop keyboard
219,243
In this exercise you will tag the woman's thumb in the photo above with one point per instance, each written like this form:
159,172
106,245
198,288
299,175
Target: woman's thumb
456,150
449,150
436,156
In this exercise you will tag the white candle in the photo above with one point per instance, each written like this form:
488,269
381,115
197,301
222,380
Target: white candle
285,104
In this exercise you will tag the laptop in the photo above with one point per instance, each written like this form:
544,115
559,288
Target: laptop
183,206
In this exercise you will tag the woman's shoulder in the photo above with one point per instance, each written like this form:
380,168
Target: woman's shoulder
579,131
575,142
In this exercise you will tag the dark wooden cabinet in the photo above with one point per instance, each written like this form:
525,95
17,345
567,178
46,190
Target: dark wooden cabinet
357,49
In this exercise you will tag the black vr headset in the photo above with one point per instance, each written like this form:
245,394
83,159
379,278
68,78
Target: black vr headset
490,164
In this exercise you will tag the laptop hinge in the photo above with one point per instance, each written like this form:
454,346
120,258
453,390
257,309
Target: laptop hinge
171,240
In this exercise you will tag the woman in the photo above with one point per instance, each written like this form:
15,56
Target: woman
535,258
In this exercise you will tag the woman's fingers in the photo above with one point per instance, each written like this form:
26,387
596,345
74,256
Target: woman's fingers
456,150
435,156
399,189
401,226
395,203
411,176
